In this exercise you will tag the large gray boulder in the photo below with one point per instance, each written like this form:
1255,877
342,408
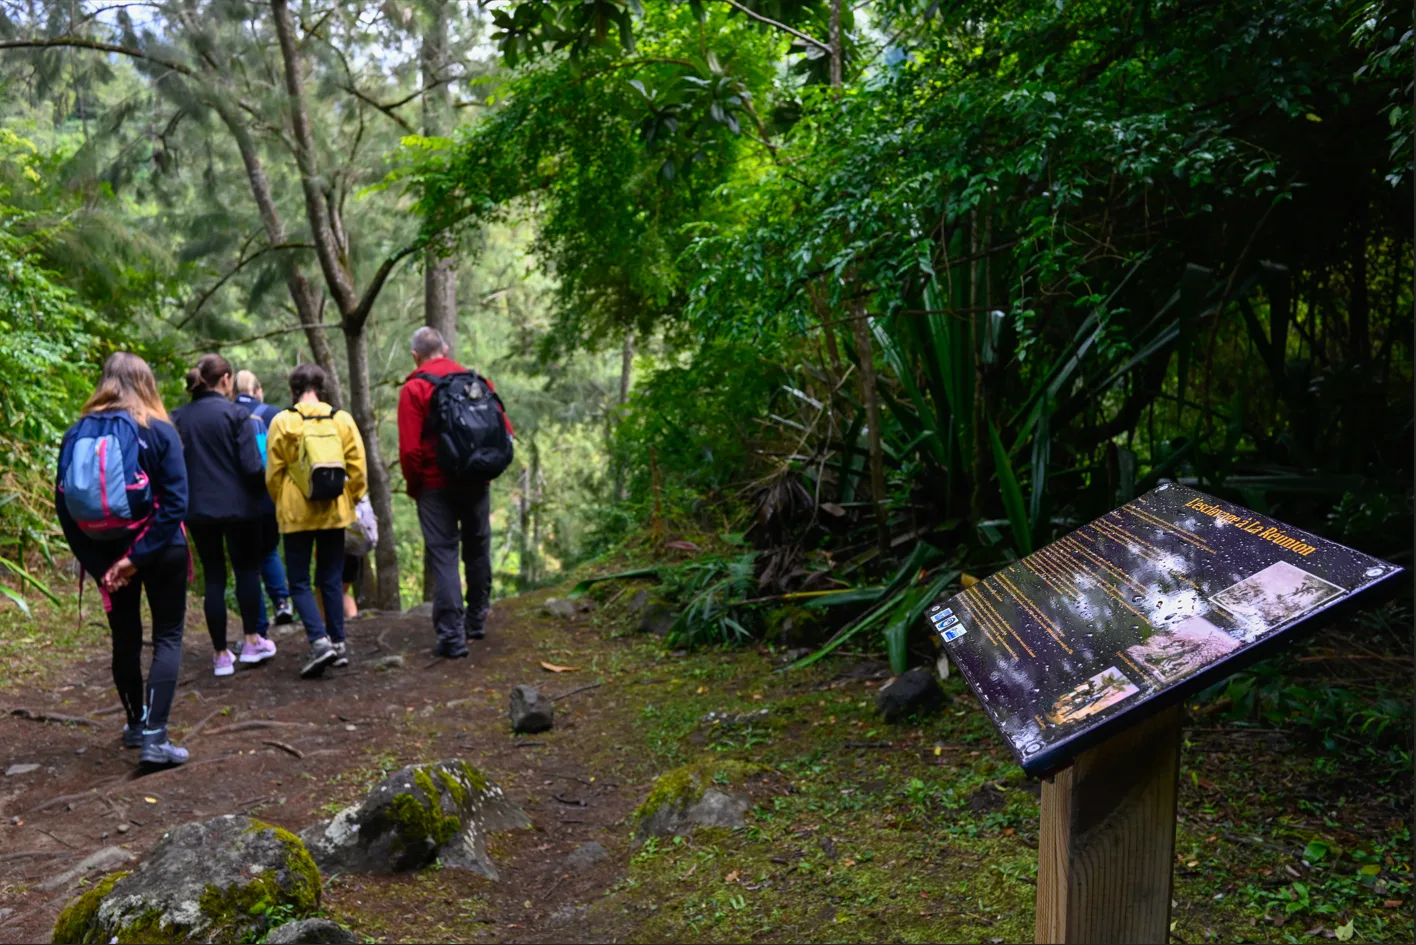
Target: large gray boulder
311,932
416,815
531,712
211,881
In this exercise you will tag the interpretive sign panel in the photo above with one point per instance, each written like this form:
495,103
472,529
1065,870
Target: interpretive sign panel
1134,611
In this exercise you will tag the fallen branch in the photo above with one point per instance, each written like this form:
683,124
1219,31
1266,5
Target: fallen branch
111,710
62,799
255,724
869,745
285,748
574,691
381,644
202,724
29,853
56,839
37,716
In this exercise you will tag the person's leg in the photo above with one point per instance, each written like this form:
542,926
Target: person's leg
353,567
438,519
477,557
166,583
125,625
243,543
209,541
299,552
273,572
329,568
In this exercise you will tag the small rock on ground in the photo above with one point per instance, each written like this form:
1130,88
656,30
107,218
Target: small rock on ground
311,932
563,609
586,855
103,861
657,619
531,712
389,662
16,770
914,693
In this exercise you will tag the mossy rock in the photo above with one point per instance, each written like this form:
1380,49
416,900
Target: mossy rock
420,814
211,881
695,796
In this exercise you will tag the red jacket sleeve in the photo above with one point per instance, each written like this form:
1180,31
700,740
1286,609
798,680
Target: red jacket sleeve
506,421
412,411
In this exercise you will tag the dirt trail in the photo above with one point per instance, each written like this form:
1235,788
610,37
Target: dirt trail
923,831
288,748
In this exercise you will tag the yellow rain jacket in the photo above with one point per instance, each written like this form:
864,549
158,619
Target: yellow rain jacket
293,511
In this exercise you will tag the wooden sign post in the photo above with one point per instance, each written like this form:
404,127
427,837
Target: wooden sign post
1107,842
1082,654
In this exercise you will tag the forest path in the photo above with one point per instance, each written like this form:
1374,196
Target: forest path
349,728
924,831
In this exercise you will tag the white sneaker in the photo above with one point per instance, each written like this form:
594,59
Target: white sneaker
223,664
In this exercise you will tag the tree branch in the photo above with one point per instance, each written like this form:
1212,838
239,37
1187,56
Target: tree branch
386,109
210,343
355,319
99,47
245,261
824,47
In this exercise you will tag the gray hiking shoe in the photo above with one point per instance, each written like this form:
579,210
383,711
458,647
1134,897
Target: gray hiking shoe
133,735
321,655
158,751
341,653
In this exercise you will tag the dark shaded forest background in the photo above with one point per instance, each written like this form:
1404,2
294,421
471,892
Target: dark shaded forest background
817,310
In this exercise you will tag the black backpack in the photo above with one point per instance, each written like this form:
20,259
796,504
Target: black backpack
466,418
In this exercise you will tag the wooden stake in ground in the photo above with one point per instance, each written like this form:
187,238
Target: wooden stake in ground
1107,842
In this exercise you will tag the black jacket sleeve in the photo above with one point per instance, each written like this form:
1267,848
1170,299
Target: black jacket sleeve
165,466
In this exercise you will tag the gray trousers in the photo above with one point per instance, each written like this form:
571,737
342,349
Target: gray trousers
458,514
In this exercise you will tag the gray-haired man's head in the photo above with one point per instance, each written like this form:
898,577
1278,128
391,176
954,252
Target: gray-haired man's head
427,344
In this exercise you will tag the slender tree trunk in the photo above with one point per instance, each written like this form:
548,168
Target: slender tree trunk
980,435
834,40
361,402
304,296
523,513
865,354
332,251
440,266
626,371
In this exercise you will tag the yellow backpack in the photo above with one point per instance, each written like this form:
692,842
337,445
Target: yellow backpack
318,470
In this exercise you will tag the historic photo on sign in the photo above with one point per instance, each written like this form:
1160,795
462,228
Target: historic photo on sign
1274,596
1175,653
1102,691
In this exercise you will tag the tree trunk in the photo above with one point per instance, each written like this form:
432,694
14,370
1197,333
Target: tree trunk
834,40
361,402
440,267
304,296
523,508
626,368
865,354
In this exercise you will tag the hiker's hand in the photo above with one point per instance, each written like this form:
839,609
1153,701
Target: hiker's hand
119,575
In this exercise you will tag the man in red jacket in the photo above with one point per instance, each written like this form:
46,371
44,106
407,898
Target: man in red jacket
450,513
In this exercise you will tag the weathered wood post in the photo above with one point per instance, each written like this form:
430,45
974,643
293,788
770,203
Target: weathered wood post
1107,844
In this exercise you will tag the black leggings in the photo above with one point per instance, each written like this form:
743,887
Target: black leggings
243,541
165,578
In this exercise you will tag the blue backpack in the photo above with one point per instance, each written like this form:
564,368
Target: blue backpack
262,434
105,490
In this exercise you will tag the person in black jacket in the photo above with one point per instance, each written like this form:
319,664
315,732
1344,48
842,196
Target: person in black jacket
157,559
227,483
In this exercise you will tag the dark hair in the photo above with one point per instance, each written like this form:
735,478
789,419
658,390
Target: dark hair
210,369
308,377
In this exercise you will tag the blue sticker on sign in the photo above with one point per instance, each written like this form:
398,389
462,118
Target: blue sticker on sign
939,617
948,623
953,634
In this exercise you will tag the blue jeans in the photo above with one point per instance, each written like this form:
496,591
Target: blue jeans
272,574
326,547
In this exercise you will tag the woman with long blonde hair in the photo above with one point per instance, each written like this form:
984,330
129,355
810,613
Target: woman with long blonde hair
121,495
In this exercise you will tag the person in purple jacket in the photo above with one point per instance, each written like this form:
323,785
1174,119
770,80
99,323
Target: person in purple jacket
153,556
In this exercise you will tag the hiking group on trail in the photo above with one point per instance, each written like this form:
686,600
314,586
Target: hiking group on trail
227,475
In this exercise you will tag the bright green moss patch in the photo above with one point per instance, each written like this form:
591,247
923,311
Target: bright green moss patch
423,818
75,923
683,786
